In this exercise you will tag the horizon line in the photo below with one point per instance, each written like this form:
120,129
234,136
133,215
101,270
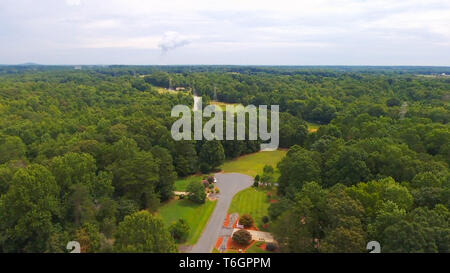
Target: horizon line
260,65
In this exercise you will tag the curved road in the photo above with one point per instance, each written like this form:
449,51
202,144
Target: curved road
229,184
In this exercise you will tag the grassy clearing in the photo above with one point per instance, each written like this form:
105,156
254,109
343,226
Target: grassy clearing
223,105
251,201
253,164
196,215
161,90
181,184
313,127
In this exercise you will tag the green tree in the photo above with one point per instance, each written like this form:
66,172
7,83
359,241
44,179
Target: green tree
143,232
196,192
29,210
180,230
74,168
344,240
246,220
242,237
89,237
80,205
297,168
136,178
11,147
408,237
186,160
211,155
167,174
348,166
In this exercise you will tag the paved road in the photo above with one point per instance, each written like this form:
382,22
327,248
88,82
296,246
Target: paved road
229,184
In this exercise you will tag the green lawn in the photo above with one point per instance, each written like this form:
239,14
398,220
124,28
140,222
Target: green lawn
252,164
256,249
182,183
251,201
196,215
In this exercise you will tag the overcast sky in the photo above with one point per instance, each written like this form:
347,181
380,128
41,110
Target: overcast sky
277,32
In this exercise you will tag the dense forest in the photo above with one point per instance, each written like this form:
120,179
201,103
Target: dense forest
87,155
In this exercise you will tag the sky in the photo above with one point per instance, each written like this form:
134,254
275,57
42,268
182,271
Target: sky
241,32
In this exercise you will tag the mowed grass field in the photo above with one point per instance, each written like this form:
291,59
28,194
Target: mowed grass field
253,164
196,215
251,201
181,184
256,249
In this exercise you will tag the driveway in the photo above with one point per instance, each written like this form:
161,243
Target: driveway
229,184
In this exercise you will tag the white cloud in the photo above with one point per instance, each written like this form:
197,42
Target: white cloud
172,40
399,29
150,42
73,2
102,24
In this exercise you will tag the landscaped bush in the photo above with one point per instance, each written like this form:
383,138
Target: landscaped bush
196,192
246,220
265,219
268,169
271,247
255,184
180,230
242,237
210,179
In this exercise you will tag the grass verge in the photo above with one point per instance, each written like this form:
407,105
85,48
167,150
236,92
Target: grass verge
196,215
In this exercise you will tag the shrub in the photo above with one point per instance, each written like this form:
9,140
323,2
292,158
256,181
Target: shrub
271,246
205,183
210,179
180,230
268,169
265,219
181,196
257,178
196,192
246,220
242,237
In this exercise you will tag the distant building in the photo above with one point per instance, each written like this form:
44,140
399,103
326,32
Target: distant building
78,67
179,88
